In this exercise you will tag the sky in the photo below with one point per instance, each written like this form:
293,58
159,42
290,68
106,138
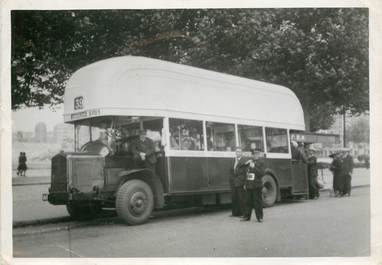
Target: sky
26,119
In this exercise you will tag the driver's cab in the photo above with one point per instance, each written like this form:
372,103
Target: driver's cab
111,136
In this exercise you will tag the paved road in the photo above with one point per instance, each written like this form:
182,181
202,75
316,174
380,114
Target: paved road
325,227
28,197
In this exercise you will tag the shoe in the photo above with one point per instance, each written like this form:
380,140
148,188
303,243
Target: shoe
260,220
245,219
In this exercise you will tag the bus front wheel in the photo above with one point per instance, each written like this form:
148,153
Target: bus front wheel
269,191
134,202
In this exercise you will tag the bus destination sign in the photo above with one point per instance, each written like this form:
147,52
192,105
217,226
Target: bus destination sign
85,114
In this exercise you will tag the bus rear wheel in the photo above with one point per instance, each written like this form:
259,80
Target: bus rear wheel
134,202
269,191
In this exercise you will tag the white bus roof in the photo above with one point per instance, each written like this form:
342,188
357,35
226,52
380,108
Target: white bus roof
139,86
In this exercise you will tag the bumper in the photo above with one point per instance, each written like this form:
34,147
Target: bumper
62,198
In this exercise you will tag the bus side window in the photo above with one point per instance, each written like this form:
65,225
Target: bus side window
220,136
249,135
277,140
186,134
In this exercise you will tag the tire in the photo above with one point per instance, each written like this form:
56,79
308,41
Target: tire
269,191
82,212
135,202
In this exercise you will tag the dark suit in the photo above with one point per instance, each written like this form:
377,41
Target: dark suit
254,187
312,176
237,180
347,170
147,146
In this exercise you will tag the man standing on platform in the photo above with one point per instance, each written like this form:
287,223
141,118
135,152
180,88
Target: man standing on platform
314,191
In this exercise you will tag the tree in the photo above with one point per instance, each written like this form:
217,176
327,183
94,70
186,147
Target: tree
321,54
359,130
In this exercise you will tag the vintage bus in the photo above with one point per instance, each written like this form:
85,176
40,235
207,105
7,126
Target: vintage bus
195,118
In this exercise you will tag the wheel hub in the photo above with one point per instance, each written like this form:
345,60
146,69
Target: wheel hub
138,203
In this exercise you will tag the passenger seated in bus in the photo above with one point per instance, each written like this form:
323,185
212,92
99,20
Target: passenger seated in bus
143,150
174,142
187,142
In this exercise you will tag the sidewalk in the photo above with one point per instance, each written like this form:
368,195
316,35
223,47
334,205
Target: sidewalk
361,177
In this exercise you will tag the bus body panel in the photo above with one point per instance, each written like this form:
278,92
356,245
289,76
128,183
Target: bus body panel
188,174
219,171
282,171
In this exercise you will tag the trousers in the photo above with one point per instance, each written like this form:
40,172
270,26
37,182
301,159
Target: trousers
237,201
254,200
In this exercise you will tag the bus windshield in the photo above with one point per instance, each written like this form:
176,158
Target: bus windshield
115,133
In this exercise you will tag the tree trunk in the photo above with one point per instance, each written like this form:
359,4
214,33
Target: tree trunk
307,119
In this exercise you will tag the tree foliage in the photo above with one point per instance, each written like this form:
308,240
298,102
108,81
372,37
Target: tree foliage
359,130
321,54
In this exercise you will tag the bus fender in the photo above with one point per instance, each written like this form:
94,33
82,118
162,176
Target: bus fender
150,178
273,174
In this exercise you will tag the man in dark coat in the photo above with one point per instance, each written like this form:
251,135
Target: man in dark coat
254,186
347,171
314,191
143,150
237,179
336,168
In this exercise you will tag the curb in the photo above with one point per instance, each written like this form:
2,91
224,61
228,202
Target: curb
30,184
67,225
353,187
20,224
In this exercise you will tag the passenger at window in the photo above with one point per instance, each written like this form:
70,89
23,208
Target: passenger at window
187,143
296,152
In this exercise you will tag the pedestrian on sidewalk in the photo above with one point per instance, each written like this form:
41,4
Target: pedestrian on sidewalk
254,186
22,166
335,167
347,171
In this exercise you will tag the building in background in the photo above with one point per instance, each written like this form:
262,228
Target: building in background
40,132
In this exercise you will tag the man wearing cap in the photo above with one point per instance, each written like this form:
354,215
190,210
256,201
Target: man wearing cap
143,150
254,186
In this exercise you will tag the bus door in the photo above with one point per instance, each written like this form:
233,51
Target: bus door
154,129
299,177
220,146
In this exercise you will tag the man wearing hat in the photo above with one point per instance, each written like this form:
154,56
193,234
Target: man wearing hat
254,186
143,150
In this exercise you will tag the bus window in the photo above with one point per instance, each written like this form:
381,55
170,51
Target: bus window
277,140
220,136
186,134
249,135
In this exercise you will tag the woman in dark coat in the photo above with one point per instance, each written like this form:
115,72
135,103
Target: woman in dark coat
22,167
